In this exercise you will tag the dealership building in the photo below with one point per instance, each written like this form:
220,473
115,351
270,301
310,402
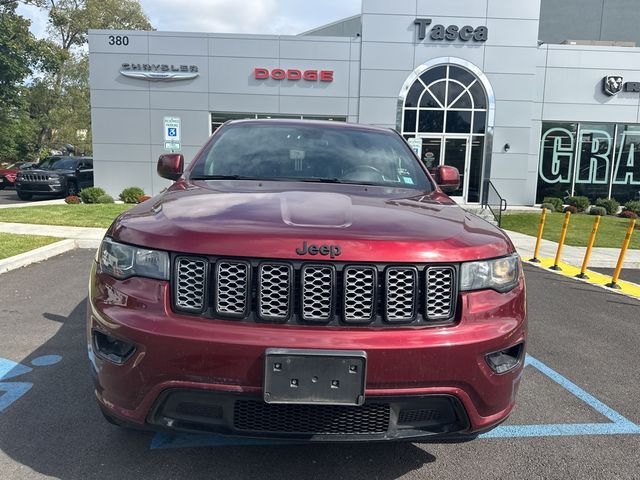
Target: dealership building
533,98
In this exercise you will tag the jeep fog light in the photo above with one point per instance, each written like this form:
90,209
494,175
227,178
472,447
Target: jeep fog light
505,360
111,348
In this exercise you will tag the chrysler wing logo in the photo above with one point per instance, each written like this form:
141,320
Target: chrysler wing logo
612,84
159,72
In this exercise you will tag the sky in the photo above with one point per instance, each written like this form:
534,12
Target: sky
281,17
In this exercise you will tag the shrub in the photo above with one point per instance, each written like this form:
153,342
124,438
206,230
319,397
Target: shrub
556,202
628,214
105,199
143,198
581,203
571,208
611,205
549,206
598,211
73,200
91,194
131,194
633,205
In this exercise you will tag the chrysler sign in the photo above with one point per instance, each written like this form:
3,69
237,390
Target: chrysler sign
159,71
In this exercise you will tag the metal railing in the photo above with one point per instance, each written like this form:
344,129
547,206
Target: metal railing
493,201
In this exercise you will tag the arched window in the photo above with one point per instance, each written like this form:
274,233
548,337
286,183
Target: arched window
445,99
447,104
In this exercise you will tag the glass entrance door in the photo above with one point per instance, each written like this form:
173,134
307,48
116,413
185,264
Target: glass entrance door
456,154
454,151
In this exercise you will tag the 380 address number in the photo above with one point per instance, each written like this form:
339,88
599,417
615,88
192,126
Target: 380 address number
118,40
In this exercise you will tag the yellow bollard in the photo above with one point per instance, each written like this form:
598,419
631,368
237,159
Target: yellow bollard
625,247
563,234
539,239
587,254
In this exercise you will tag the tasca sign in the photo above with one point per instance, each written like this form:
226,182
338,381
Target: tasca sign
451,32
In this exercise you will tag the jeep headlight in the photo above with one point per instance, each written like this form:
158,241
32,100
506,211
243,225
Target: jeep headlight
123,261
500,274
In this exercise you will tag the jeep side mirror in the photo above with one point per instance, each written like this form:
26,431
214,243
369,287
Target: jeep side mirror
170,166
447,178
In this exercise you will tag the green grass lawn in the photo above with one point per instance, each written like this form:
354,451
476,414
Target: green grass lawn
611,231
12,244
99,215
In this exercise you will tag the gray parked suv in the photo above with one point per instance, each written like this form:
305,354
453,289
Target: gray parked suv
60,176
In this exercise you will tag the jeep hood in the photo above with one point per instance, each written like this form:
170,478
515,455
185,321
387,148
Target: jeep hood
273,219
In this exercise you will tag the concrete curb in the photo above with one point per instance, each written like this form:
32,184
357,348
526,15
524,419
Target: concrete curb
44,253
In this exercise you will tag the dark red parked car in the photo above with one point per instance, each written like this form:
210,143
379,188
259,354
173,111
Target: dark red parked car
8,175
306,280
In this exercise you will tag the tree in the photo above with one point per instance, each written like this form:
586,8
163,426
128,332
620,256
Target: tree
70,20
60,103
20,55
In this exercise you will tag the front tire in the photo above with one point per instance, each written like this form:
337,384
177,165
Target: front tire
72,189
24,196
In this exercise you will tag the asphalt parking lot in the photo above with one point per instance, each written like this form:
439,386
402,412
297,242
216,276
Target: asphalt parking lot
577,416
9,196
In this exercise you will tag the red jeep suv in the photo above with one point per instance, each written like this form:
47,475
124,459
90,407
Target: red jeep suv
306,280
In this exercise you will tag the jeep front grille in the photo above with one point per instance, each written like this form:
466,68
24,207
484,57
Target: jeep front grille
402,286
34,177
190,285
305,293
359,294
439,292
274,294
318,283
231,288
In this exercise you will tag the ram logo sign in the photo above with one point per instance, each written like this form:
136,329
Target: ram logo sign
612,84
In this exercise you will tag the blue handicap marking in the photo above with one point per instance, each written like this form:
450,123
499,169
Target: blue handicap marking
12,391
172,132
619,424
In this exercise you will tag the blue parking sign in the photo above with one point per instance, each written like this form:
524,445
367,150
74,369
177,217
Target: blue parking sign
172,132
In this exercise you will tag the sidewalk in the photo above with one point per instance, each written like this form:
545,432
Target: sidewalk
40,203
600,257
75,233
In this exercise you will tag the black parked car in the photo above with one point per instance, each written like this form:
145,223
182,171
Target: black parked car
61,176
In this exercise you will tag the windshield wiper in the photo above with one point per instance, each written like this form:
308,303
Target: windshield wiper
224,177
316,180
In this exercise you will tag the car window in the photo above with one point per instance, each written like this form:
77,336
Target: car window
308,152
59,163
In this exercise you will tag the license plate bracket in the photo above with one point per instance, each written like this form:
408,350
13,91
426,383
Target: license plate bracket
328,377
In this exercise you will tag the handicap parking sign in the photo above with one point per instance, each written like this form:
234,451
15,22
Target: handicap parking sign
171,133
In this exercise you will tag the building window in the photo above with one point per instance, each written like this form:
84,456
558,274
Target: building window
588,159
445,99
446,108
218,118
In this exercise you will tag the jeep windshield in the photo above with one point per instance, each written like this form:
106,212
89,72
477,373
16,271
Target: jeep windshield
310,153
58,163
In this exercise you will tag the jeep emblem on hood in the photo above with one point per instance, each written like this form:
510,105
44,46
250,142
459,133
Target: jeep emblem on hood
332,250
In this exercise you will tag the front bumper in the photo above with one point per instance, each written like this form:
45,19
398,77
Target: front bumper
43,188
220,363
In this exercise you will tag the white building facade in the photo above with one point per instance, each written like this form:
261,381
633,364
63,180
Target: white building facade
468,82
